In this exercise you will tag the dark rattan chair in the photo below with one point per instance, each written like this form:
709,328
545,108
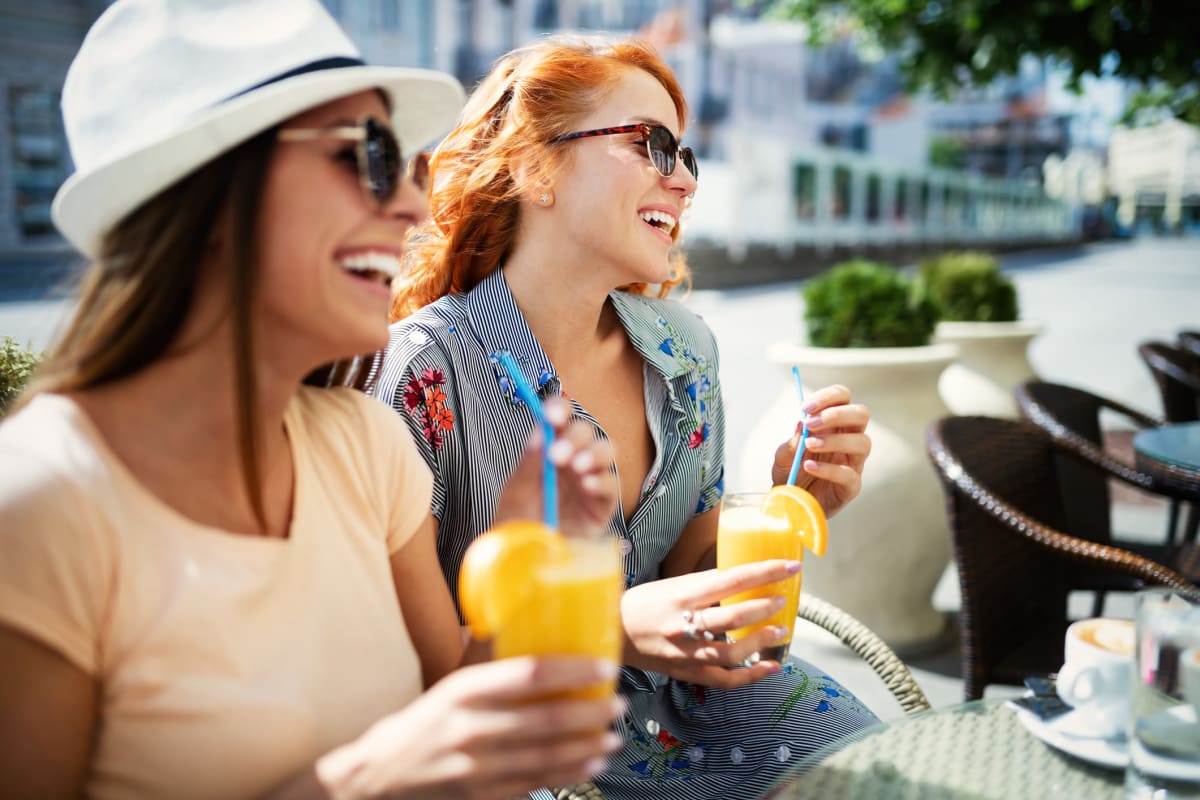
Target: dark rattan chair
1178,377
1072,418
1189,341
1015,565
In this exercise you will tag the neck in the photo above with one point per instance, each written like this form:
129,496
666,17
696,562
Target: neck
565,306
187,402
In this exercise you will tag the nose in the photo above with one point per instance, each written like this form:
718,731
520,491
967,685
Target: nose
681,180
409,203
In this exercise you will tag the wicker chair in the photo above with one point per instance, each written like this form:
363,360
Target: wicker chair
1072,418
1178,377
859,638
867,644
1190,342
1015,566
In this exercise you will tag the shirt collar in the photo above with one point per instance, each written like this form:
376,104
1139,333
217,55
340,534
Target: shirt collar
499,325
655,338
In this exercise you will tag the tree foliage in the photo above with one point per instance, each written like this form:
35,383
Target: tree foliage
946,44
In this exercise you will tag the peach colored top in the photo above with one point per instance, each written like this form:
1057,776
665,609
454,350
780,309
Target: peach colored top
227,663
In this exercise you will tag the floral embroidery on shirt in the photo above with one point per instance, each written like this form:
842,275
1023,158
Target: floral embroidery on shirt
694,697
667,758
425,400
710,497
699,390
828,693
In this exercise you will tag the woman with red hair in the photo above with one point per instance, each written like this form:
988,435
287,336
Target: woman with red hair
554,216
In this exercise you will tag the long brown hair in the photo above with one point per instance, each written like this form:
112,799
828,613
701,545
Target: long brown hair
133,300
532,95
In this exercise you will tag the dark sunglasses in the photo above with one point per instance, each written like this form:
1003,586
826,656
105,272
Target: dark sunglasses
376,152
661,146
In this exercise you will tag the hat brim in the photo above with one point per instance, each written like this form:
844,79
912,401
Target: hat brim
425,104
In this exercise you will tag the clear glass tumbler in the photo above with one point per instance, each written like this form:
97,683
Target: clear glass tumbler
1164,724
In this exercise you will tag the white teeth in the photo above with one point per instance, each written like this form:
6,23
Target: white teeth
372,264
659,219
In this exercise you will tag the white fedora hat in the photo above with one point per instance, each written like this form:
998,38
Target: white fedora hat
161,87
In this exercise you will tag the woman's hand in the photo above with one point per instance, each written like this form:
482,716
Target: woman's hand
657,633
587,483
485,731
835,452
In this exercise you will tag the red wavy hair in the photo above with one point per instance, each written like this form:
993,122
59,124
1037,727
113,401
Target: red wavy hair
532,95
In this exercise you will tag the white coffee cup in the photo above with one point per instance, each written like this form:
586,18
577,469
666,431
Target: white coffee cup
1096,676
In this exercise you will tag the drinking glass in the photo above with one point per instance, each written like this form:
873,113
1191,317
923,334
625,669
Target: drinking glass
569,607
1164,731
745,534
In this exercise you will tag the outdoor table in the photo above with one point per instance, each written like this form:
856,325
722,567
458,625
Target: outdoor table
1172,453
977,750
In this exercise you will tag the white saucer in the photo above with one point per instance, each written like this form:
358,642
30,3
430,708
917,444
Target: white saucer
1108,753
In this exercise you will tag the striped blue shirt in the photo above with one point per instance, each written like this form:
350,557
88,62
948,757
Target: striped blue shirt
474,440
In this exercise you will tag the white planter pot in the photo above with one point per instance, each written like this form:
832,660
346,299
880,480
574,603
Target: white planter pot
889,547
992,360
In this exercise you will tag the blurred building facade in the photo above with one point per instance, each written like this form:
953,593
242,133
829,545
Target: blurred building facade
37,42
834,137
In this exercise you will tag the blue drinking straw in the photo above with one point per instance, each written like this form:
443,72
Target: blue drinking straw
549,474
795,471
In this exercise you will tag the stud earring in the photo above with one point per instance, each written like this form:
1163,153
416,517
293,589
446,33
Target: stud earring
544,198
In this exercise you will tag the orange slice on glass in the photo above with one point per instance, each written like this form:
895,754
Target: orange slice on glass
494,579
803,513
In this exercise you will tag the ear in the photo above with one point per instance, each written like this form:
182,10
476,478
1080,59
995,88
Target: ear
537,186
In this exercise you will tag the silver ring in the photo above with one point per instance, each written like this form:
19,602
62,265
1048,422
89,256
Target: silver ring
692,630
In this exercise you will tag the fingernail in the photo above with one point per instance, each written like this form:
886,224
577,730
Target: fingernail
812,421
778,602
611,741
814,441
619,706
779,631
595,766
606,670
809,407
794,566
535,439
559,451
557,413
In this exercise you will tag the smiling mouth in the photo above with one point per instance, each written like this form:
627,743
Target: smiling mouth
373,266
661,220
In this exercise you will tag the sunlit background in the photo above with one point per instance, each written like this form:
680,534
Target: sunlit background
809,151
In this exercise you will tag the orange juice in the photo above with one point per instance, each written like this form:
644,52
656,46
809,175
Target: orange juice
569,604
746,534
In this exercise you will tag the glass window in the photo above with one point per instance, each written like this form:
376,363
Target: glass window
901,205
38,156
842,187
805,188
874,188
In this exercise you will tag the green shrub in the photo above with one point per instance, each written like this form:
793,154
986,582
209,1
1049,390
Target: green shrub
969,287
864,303
16,366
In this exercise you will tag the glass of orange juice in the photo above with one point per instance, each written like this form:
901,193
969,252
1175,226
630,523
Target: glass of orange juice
746,533
536,592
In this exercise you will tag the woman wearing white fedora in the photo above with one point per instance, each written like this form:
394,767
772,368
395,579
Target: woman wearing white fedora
216,581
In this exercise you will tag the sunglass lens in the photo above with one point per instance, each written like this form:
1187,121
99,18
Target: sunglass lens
662,146
689,161
383,161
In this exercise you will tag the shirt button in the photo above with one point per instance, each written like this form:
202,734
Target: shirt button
626,547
